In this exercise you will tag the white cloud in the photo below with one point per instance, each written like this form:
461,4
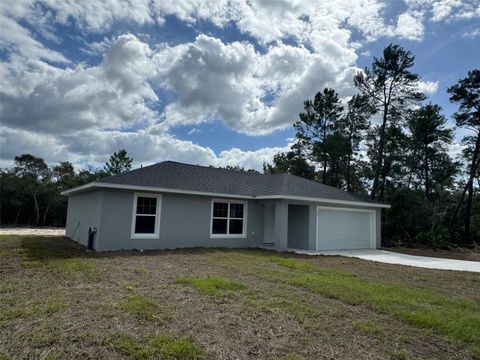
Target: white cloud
114,94
428,87
446,10
93,147
15,38
410,26
60,109
472,34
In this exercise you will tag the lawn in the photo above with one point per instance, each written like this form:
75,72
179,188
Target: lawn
59,302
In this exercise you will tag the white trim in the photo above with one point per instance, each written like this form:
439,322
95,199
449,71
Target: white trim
193,192
150,188
156,234
373,223
227,235
323,200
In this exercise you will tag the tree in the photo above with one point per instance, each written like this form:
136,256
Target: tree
237,168
391,88
467,93
33,174
428,160
292,162
64,175
353,126
118,163
317,124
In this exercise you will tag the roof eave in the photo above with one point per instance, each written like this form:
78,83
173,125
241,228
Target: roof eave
325,200
98,184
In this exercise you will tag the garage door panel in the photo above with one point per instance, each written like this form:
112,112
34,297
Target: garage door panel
343,229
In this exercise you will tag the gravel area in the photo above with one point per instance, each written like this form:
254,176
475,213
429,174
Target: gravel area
31,231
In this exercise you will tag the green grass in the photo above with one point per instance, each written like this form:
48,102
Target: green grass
66,259
148,347
11,309
459,319
144,308
367,326
212,285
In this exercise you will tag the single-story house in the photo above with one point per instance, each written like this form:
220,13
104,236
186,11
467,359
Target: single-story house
173,205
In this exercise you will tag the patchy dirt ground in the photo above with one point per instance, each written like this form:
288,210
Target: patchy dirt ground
57,301
32,231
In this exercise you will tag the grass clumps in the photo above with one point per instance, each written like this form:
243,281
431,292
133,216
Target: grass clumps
64,258
34,309
148,347
144,308
366,326
212,285
459,319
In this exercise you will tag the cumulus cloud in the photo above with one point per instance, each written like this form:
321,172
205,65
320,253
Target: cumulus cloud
472,34
114,94
60,108
410,26
428,87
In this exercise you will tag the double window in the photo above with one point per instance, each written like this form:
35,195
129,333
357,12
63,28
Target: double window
146,216
228,218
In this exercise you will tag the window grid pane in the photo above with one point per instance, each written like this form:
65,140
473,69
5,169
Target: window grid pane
146,206
236,211
235,226
144,224
227,218
220,209
219,226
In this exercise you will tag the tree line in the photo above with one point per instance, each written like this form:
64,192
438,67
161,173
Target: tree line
388,143
30,192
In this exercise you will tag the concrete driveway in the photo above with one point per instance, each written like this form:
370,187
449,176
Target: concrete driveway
401,259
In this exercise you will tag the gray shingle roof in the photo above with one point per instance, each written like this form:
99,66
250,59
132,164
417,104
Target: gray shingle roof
179,176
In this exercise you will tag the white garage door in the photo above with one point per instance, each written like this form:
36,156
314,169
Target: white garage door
339,229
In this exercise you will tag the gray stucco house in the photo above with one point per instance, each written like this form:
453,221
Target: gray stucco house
173,205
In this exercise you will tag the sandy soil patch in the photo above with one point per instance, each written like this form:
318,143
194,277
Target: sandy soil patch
32,231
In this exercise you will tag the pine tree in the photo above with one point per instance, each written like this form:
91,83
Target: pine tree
391,88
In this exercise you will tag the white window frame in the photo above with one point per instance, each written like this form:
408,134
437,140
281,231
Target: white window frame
156,233
227,235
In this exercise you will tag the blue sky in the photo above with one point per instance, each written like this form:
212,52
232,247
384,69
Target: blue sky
217,82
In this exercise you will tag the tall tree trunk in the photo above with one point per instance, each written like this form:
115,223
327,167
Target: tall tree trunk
37,208
45,214
381,145
473,172
468,211
349,160
468,187
324,178
427,177
17,216
412,169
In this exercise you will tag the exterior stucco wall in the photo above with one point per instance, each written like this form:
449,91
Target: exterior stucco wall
281,210
298,226
184,222
378,219
83,212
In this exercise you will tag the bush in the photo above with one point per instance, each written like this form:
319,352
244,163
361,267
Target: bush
438,237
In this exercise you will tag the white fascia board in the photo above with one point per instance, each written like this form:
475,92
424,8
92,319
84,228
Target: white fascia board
150,188
323,200
192,192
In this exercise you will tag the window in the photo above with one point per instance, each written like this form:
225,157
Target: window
145,222
228,218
